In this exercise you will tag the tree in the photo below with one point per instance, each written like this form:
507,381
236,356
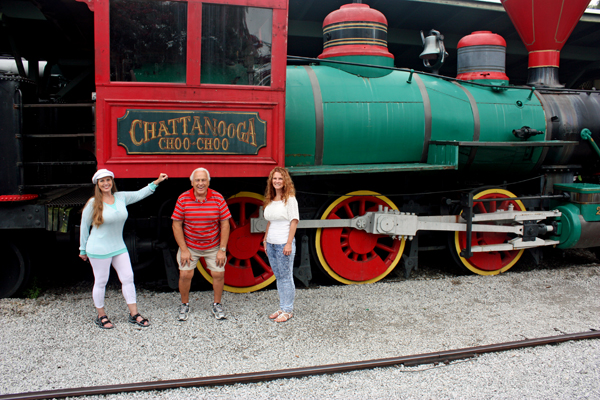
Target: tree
594,4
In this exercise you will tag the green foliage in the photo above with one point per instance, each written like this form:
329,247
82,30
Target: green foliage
33,291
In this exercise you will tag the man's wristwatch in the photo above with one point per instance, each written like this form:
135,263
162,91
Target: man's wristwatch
223,249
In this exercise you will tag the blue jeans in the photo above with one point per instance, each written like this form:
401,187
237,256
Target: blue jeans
283,268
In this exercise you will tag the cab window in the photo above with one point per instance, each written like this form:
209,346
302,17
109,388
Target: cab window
148,40
236,45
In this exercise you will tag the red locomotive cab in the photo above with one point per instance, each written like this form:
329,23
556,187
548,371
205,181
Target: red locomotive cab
182,84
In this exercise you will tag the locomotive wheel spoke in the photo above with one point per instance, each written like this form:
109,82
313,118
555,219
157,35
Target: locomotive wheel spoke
242,216
262,263
494,262
348,211
354,256
384,247
247,269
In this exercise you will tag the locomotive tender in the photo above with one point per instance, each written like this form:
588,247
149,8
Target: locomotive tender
182,84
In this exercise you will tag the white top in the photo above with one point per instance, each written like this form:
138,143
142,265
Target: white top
280,214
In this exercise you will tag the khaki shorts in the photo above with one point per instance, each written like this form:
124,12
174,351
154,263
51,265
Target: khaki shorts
210,258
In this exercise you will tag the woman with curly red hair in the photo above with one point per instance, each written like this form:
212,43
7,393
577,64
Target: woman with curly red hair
281,212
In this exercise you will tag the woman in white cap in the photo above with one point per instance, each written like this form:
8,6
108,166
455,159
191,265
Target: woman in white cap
106,213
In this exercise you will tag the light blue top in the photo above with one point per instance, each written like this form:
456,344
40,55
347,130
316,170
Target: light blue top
107,240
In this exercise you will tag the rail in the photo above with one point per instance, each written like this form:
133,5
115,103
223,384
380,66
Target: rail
427,358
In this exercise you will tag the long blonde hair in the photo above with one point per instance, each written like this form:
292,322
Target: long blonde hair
98,205
288,187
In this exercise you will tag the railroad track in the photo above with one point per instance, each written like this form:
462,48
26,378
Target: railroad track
219,380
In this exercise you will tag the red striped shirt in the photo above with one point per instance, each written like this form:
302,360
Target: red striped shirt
201,220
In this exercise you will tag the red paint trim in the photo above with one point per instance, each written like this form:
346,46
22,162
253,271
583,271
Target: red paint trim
549,58
18,197
89,3
341,51
354,12
194,32
481,38
491,75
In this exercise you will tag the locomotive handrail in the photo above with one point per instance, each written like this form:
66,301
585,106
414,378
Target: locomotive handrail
550,143
369,168
528,88
586,134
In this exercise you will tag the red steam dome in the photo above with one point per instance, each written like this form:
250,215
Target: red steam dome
355,30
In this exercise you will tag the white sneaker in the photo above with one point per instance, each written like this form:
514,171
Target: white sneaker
217,309
184,309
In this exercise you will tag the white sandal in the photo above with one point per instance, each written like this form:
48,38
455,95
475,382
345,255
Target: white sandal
284,317
276,314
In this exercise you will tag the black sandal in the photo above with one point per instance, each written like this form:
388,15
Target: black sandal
103,321
142,323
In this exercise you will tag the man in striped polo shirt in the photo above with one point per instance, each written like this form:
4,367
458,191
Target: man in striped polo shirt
201,229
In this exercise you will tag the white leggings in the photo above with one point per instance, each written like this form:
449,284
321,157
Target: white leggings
101,267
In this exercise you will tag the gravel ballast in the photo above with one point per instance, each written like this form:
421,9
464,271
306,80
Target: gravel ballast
51,342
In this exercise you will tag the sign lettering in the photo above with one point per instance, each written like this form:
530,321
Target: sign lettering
191,132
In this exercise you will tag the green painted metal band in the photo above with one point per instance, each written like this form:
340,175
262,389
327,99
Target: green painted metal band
319,129
476,124
427,115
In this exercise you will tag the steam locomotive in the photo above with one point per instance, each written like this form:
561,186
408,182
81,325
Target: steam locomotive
388,162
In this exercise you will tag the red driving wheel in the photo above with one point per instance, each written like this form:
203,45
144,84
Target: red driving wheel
247,268
355,256
493,262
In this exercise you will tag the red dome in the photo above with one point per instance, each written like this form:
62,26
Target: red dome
482,38
354,12
355,30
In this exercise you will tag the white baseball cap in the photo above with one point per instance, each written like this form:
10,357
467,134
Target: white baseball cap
101,173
